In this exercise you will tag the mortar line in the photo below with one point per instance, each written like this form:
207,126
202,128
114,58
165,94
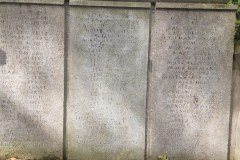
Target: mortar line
148,81
66,5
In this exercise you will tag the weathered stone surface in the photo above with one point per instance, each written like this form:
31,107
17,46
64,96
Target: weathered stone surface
175,1
235,136
190,84
108,51
193,6
194,1
35,1
111,4
31,71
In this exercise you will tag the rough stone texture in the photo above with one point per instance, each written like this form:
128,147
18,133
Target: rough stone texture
108,51
235,136
190,84
35,1
194,1
31,71
176,1
112,4
193,6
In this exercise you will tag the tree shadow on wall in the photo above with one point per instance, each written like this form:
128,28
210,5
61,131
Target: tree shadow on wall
22,133
2,57
237,61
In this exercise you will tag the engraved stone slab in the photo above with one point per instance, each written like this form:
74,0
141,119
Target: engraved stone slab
35,1
190,84
31,71
108,51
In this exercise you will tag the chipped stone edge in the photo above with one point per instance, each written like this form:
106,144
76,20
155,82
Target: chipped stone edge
195,6
33,1
111,4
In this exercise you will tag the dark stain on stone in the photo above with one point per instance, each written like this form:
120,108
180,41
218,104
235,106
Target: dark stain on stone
195,99
2,57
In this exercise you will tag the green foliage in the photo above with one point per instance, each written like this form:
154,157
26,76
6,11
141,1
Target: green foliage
162,157
234,1
237,34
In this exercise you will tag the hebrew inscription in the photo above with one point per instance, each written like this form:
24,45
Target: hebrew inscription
31,71
190,83
108,51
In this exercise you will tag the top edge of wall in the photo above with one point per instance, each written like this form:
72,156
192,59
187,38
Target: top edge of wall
194,1
121,4
170,1
195,6
34,1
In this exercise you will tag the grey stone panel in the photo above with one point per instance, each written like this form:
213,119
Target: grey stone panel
31,71
108,50
190,84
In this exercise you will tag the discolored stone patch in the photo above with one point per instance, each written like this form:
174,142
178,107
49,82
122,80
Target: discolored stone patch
2,57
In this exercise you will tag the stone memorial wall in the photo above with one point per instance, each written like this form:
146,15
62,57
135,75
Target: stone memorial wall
108,80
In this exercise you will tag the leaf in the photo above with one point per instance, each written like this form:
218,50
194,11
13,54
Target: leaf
163,157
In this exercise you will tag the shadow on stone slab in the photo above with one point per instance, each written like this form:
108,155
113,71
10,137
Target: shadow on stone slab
2,57
24,119
237,60
49,157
